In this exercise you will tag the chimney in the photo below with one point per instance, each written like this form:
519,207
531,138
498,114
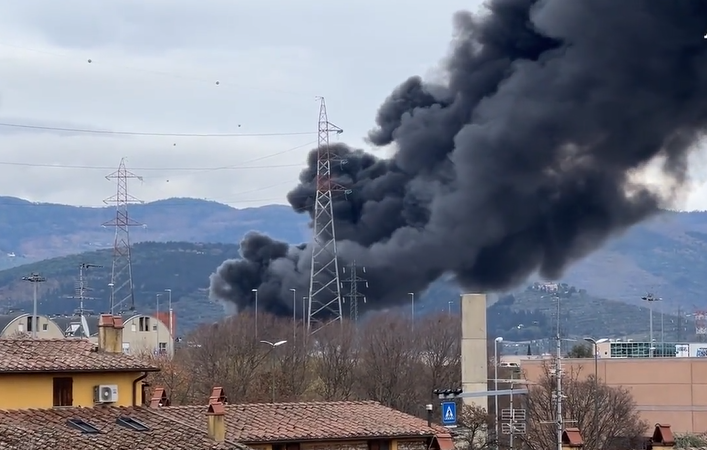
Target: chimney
218,395
662,437
571,439
110,333
159,398
473,347
217,426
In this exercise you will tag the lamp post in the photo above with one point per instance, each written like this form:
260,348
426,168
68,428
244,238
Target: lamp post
650,299
594,343
272,349
294,316
35,279
412,309
157,316
255,291
171,315
496,341
449,308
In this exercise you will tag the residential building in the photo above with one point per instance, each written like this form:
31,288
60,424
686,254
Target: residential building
147,334
72,326
104,428
142,333
46,373
666,390
360,425
21,324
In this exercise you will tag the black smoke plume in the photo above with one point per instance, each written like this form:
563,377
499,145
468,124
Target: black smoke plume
523,160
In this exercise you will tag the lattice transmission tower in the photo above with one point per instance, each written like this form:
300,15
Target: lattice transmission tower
324,282
354,295
121,281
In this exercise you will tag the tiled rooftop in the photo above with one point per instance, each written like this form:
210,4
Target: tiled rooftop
49,429
261,422
63,355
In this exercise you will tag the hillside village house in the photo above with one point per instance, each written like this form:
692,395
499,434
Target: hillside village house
46,373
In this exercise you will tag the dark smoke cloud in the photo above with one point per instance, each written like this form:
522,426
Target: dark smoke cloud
523,161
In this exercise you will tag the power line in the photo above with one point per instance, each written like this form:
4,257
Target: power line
240,166
148,133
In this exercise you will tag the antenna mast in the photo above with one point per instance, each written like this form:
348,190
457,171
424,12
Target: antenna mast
353,294
324,282
82,287
121,280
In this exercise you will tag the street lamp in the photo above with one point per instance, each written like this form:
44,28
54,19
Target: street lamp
272,349
255,291
35,279
496,341
294,315
171,315
159,321
650,299
412,309
595,344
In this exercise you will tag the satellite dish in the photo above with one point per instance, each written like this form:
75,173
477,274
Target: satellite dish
84,325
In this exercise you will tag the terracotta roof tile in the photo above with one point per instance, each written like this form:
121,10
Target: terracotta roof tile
48,429
268,422
63,355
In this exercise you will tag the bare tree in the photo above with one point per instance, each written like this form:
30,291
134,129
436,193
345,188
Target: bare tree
228,354
390,363
336,355
439,343
174,376
616,416
472,432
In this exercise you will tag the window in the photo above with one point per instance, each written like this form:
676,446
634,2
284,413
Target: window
63,391
144,324
29,324
162,348
379,445
129,422
45,326
83,426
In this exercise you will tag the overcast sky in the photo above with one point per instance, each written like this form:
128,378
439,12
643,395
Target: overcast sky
154,68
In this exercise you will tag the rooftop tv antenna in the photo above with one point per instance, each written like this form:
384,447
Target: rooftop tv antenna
121,280
80,292
324,282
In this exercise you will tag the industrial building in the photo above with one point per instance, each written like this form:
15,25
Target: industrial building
666,390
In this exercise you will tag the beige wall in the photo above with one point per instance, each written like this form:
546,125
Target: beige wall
666,390
47,329
137,339
474,347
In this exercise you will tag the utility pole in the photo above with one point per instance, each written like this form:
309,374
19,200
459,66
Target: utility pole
412,310
679,325
121,281
558,376
324,282
353,294
35,279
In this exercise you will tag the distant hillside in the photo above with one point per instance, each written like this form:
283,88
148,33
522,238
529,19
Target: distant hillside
180,266
667,255
34,231
185,268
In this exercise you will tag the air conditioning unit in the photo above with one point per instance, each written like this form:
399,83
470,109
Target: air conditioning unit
105,393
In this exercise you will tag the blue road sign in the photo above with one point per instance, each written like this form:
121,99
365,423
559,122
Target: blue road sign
449,413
